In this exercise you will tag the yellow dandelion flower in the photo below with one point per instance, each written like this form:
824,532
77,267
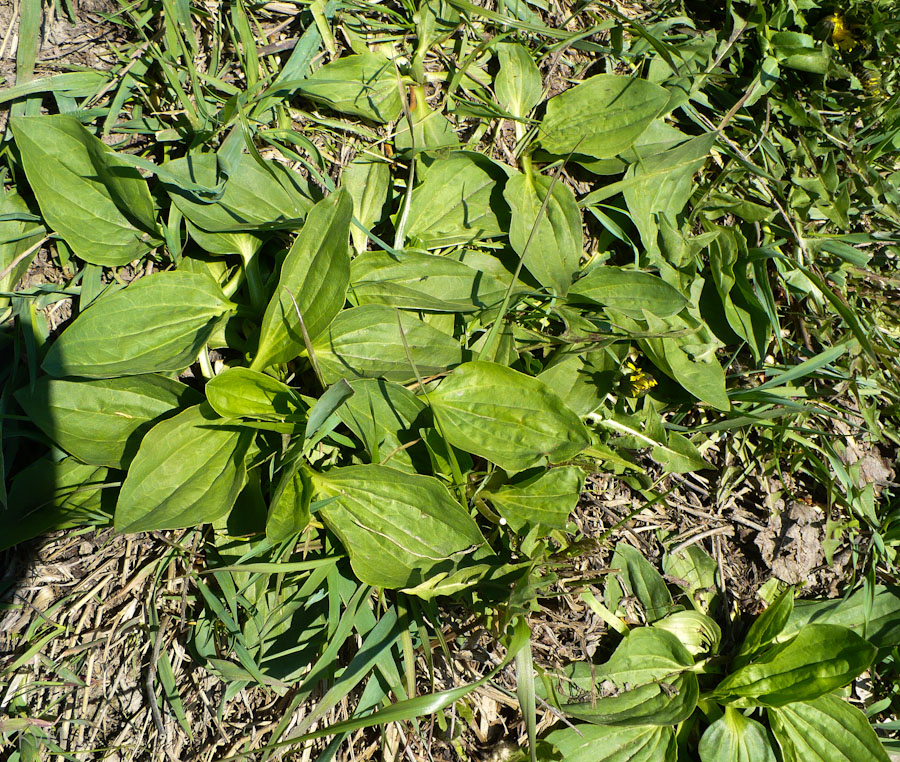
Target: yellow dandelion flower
841,35
871,82
639,382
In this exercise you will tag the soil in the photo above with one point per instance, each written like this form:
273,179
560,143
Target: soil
89,42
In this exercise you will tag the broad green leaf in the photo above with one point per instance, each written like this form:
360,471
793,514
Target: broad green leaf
661,184
100,205
686,351
436,19
557,244
820,659
578,382
16,237
545,499
289,509
518,83
315,274
48,495
678,455
827,729
101,422
766,627
415,281
704,378
659,703
255,197
431,130
188,471
601,743
602,116
244,393
157,324
459,200
735,738
728,262
398,528
878,621
658,137
796,50
485,575
637,577
628,291
675,452
511,419
365,85
366,342
386,418
645,655
369,184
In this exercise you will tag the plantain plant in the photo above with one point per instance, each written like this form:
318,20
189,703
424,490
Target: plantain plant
675,689
373,390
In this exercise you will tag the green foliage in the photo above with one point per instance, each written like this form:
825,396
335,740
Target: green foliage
602,117
397,375
652,680
110,338
69,169
545,229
